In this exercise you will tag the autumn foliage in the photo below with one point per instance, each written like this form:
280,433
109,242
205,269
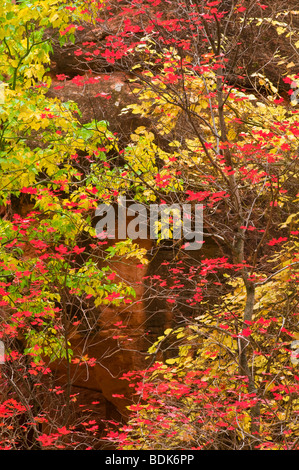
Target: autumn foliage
219,127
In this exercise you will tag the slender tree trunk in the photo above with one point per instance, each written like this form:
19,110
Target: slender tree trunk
243,357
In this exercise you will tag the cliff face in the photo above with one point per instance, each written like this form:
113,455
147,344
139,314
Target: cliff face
117,338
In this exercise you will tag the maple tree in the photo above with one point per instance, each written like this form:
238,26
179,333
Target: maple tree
224,376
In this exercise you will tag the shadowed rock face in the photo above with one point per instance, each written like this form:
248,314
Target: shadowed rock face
100,97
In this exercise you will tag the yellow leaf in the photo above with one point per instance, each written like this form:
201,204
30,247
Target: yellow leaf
168,331
280,30
231,135
171,361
